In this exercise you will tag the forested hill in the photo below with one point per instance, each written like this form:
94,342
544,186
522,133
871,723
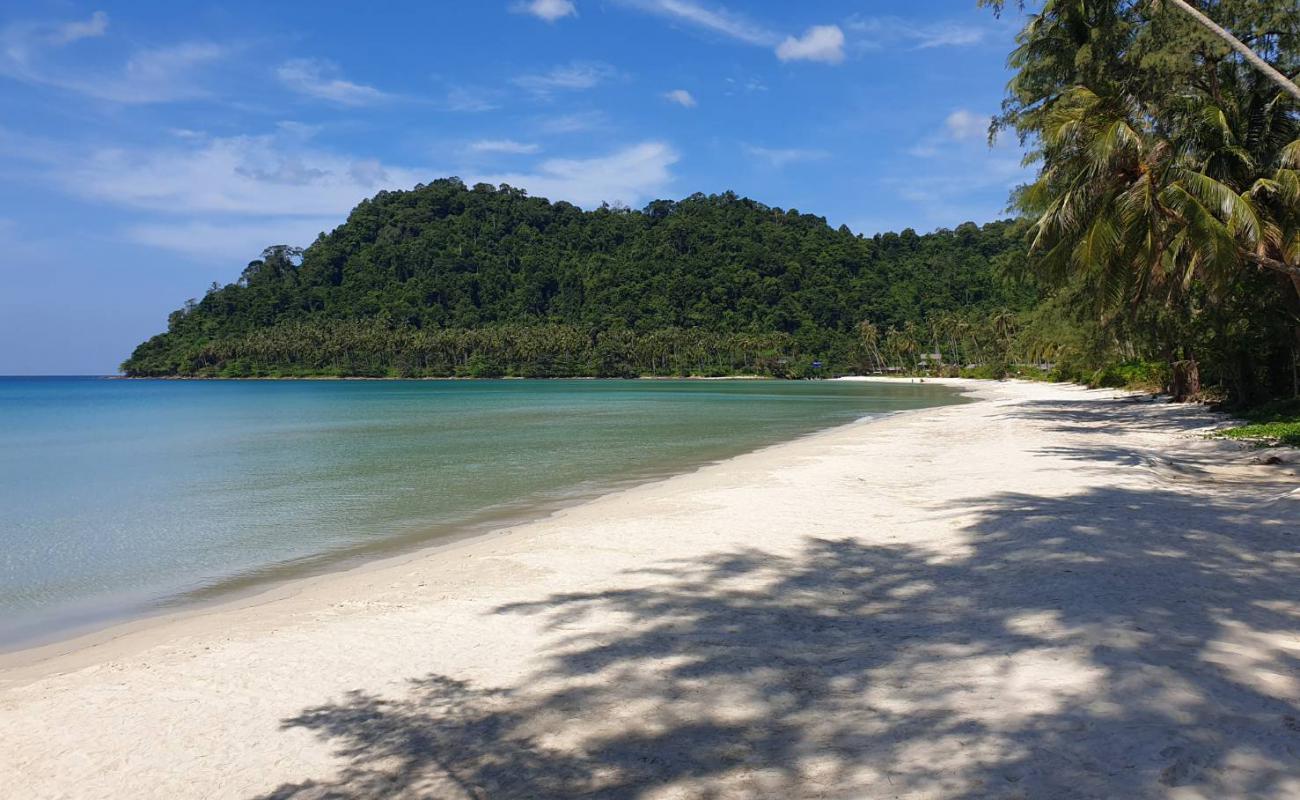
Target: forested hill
450,280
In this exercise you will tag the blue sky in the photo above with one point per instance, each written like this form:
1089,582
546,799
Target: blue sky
150,148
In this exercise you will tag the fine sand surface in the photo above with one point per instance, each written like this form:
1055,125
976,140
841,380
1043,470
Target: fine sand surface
1048,593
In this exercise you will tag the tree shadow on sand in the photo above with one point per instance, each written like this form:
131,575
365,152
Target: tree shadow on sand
1117,417
1117,643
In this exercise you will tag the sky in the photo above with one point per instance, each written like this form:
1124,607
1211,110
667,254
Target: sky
148,149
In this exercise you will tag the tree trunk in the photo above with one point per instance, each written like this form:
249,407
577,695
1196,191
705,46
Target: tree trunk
1250,55
1295,362
1186,382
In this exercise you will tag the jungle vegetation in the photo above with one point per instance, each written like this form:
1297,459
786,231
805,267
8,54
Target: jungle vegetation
486,281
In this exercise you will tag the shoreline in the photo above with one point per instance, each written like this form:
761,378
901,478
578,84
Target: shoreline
1047,591
744,377
83,644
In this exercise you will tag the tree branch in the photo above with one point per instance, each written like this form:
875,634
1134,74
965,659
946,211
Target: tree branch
1273,264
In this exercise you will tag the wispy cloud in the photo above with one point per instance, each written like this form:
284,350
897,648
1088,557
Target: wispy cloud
823,43
29,52
959,190
471,99
577,122
954,175
574,76
782,156
223,198
229,241
506,146
961,126
887,32
218,198
681,97
548,10
321,79
749,84
715,19
964,124
630,175
20,42
252,175
96,25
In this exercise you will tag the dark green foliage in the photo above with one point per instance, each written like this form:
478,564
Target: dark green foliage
1132,374
486,281
1277,422
1167,202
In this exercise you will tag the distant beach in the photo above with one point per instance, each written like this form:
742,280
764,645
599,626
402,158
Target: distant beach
1049,592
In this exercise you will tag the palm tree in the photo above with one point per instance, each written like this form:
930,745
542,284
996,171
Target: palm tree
1142,217
869,336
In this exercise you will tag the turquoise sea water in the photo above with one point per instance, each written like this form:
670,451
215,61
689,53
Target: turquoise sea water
119,498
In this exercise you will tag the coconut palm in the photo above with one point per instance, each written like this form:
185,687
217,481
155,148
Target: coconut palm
869,337
1143,213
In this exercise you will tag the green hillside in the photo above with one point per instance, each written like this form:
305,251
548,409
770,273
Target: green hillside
450,280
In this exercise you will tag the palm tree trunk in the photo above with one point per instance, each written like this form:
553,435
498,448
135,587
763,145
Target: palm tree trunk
1186,378
1250,55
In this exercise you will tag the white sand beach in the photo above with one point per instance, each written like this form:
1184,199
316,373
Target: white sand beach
1047,593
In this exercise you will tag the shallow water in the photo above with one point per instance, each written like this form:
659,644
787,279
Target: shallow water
118,498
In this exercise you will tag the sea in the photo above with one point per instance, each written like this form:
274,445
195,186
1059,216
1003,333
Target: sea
125,498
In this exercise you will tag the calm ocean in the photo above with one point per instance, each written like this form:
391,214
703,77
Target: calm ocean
122,498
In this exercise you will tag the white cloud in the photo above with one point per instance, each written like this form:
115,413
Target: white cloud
240,175
819,43
29,53
961,127
507,146
717,20
320,79
964,125
780,157
681,97
218,199
892,31
548,10
575,76
630,175
223,198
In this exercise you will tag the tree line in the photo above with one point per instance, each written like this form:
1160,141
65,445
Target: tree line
447,279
